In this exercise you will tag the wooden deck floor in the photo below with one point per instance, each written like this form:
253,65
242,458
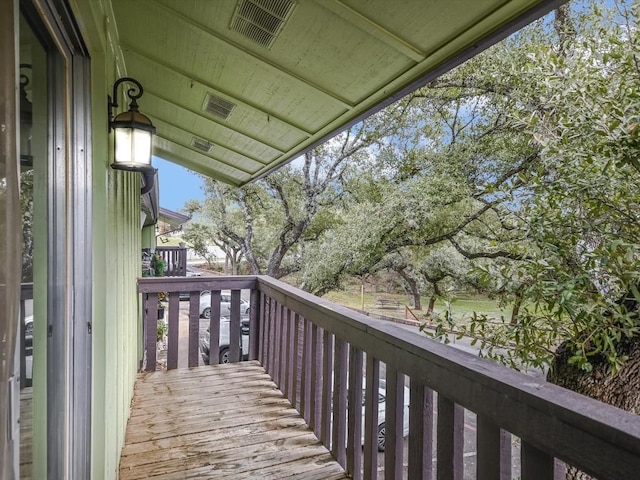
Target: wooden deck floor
26,432
219,422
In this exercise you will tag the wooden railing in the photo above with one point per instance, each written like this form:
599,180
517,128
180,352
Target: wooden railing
175,258
316,352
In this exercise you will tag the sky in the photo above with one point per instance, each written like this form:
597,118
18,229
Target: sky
177,184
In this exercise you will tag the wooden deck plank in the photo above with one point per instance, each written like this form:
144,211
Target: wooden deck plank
26,432
209,444
182,396
184,442
227,406
222,421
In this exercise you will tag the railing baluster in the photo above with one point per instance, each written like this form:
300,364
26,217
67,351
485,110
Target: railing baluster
354,431
315,380
287,335
254,323
340,402
235,350
273,346
281,347
151,325
174,330
295,390
194,333
394,426
277,345
261,333
325,394
420,432
371,418
450,440
493,451
268,334
268,344
214,324
535,464
306,371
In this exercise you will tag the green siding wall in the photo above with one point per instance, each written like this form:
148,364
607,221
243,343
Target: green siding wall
116,259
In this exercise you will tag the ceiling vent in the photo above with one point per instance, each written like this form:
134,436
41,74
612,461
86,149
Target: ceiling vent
218,106
201,144
261,21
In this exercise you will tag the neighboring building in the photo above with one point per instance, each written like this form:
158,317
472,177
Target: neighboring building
233,97
170,222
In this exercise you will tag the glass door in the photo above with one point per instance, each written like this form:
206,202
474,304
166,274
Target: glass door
54,322
33,159
9,245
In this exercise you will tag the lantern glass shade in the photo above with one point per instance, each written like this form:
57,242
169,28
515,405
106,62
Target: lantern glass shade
132,135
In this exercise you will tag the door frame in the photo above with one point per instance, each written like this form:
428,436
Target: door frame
69,239
10,239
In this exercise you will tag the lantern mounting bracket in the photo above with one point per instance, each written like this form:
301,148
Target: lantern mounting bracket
134,93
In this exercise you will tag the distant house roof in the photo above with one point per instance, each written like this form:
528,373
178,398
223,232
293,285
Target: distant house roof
174,219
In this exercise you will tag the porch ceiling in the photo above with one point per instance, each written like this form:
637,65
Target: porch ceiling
328,64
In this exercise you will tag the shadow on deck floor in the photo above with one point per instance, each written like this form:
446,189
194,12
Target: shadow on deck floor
223,421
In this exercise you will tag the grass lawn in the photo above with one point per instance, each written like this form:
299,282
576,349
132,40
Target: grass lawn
461,307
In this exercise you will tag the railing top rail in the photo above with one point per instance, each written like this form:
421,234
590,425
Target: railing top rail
548,416
185,284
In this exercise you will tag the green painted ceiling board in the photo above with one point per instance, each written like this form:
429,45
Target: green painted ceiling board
171,79
305,48
196,161
279,138
217,152
330,63
197,132
212,129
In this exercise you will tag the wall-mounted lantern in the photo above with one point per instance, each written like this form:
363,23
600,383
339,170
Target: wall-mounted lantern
26,120
133,131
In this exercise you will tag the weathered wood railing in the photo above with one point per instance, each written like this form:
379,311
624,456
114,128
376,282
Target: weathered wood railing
175,259
315,352
171,287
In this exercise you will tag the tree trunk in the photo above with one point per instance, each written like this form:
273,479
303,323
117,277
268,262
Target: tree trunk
432,303
251,259
621,389
517,303
432,300
412,287
234,266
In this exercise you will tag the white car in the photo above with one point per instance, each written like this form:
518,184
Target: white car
382,404
225,305
223,354
382,408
